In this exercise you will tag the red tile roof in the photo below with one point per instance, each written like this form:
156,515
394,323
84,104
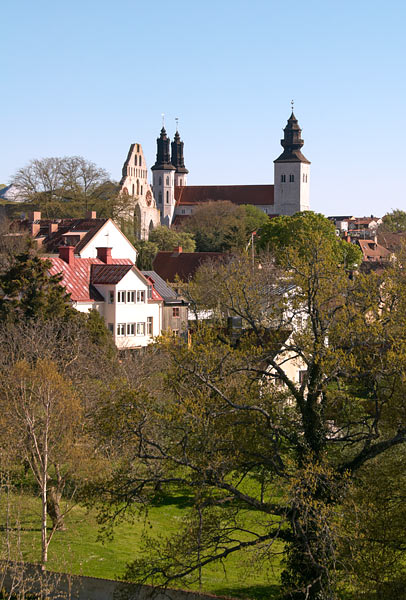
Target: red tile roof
237,194
168,265
76,277
373,252
52,240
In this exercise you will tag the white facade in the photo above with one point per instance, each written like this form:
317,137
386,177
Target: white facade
180,179
110,236
164,191
291,187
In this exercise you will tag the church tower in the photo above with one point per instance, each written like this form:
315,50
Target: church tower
178,161
164,179
291,173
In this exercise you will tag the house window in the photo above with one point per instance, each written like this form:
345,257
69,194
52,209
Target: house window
121,296
131,296
291,178
283,178
120,329
183,211
111,297
150,325
110,327
130,328
141,296
140,328
175,332
176,312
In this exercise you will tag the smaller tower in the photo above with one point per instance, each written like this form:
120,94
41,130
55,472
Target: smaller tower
163,173
292,173
178,161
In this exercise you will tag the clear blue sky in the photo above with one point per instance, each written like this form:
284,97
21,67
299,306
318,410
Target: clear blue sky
90,77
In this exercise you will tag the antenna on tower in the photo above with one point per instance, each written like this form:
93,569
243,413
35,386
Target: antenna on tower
177,123
163,120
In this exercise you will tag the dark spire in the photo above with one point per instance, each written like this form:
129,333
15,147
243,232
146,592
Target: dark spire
177,154
292,143
163,158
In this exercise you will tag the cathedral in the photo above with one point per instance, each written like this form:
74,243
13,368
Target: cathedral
170,199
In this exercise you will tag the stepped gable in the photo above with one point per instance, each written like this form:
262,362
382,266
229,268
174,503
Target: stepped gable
237,194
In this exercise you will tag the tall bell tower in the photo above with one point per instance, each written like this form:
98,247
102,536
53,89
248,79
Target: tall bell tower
178,161
291,173
163,173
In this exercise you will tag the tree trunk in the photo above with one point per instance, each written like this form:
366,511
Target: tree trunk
54,509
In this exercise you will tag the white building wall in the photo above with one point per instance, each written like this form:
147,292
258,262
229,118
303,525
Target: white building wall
164,191
110,236
290,196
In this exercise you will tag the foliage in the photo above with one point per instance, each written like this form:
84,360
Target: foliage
30,292
162,238
232,423
395,221
255,218
217,227
282,234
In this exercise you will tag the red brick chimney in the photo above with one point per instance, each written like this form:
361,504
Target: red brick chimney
67,253
35,216
104,254
91,214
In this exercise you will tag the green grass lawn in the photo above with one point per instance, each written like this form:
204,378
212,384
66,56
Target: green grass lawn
78,549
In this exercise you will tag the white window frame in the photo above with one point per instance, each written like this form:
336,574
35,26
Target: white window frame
121,329
130,329
150,325
121,296
140,329
131,296
141,294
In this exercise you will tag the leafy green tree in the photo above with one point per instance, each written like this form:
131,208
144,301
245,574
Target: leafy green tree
282,234
168,239
28,291
217,227
255,218
235,404
394,221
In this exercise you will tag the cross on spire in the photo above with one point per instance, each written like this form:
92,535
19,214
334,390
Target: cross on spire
292,103
177,122
163,119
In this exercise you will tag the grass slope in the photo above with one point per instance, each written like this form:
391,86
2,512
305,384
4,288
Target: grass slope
78,549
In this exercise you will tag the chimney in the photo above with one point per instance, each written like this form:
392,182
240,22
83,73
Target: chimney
67,253
375,241
35,227
178,249
104,254
35,216
91,214
52,228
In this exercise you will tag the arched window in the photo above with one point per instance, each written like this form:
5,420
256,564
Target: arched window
167,197
283,178
160,180
132,194
167,181
140,161
135,160
291,178
160,198
141,190
138,187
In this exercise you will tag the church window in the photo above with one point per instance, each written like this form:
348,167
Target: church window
140,161
167,197
135,160
133,191
283,178
160,198
291,178
160,180
138,187
141,190
167,181
180,182
138,147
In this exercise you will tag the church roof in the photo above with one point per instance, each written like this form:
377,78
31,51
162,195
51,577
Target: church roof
182,264
292,143
237,194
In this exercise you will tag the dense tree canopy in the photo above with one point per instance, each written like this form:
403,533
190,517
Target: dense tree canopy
236,424
395,221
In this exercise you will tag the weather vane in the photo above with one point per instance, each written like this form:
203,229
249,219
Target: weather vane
177,122
293,104
163,119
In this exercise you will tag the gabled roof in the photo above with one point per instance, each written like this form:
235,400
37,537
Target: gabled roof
182,264
51,240
258,195
76,278
108,274
373,252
